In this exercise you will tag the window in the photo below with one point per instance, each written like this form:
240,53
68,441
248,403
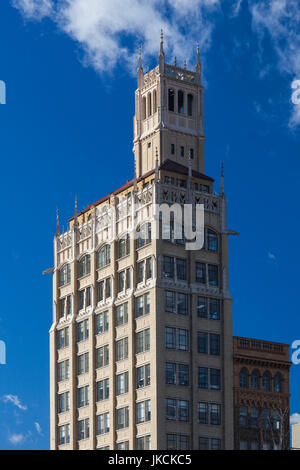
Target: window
144,443
177,374
122,314
83,396
142,305
122,349
254,380
266,419
143,411
84,298
266,381
121,283
208,308
181,154
209,378
140,271
148,268
83,363
203,413
168,267
171,99
190,104
243,378
215,414
123,445
214,344
104,289
83,429
243,445
180,108
276,420
176,302
102,390
85,266
154,102
124,246
180,182
123,418
177,410
212,340
213,276
149,104
63,338
144,108
63,370
143,341
102,322
143,376
204,188
82,330
254,417
122,383
65,275
102,356
243,416
277,383
103,256
177,338
170,179
65,306
191,153
172,149
64,434
212,241
181,269
200,273
63,402
206,443
178,442
103,423
144,235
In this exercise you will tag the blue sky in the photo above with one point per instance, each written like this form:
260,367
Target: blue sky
69,68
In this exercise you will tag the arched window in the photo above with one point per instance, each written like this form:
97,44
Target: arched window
180,102
212,240
276,420
124,246
277,383
149,104
85,265
243,378
254,380
266,382
144,235
65,275
144,108
190,104
154,102
103,256
171,99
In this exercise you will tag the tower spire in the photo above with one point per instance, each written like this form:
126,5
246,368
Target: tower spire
75,213
198,64
57,223
161,56
140,72
222,179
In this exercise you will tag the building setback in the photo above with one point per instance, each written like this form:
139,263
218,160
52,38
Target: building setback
261,394
141,341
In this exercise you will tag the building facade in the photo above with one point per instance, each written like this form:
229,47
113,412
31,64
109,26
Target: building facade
261,394
141,341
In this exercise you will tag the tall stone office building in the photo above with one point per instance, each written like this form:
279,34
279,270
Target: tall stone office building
141,340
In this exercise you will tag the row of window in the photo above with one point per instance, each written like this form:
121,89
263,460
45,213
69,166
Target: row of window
182,149
176,268
264,382
180,107
252,417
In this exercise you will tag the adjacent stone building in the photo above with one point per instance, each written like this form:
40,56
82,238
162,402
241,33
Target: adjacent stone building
261,394
141,340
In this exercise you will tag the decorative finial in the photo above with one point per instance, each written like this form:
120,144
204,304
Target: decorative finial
184,65
198,65
57,222
75,213
140,57
175,62
161,43
222,179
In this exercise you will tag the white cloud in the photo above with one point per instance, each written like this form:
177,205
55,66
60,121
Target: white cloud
99,27
34,9
16,438
236,7
271,256
280,20
38,427
295,418
15,400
